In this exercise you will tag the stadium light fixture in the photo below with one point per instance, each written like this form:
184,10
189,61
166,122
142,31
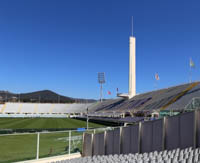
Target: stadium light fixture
101,80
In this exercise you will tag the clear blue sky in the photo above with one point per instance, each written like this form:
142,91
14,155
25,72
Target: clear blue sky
61,45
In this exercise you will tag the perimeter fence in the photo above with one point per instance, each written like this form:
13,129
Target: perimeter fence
179,131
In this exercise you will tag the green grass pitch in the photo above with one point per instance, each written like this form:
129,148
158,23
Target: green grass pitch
22,147
38,123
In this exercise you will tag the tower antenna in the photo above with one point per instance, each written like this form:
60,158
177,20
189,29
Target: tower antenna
132,27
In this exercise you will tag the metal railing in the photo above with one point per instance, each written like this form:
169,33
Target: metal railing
29,146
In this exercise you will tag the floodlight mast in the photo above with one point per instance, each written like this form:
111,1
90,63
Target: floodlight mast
101,80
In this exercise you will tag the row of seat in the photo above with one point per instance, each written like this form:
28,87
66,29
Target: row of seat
188,155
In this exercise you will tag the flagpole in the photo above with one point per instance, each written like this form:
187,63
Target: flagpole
156,80
190,75
190,72
155,84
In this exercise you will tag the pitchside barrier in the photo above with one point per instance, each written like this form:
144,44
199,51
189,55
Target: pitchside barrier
180,131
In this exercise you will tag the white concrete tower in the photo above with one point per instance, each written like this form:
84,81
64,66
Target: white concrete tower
132,67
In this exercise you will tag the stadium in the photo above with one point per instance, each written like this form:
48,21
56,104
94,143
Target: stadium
165,121
157,126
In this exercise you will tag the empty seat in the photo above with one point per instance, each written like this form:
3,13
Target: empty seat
188,155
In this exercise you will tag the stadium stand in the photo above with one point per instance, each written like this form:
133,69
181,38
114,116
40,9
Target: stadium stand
173,98
187,155
187,98
1,105
195,103
119,120
43,108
